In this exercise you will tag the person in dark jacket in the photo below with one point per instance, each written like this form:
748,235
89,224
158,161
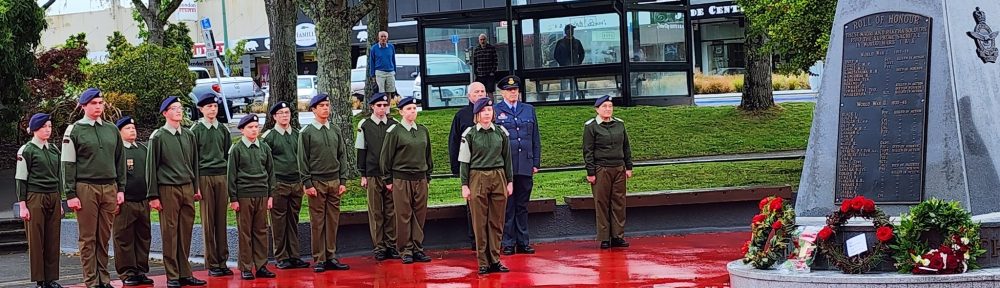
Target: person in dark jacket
525,148
381,210
36,182
132,234
608,158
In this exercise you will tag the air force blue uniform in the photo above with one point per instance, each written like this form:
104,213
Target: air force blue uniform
525,147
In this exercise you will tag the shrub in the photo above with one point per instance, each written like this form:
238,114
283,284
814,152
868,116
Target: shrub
149,72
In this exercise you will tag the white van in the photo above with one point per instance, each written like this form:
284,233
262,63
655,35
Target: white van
408,70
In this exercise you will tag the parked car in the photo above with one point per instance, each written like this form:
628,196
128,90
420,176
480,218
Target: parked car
358,83
305,87
237,91
439,64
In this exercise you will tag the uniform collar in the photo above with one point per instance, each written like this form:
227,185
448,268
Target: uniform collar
510,105
407,125
128,145
204,121
377,120
324,125
38,143
246,141
480,127
86,120
600,121
282,131
171,129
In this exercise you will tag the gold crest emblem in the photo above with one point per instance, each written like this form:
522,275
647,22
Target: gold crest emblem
510,81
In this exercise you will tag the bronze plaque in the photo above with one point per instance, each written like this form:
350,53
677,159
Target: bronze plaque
883,108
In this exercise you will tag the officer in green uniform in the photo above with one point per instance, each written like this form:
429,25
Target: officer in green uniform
321,159
251,182
213,145
487,180
93,160
171,176
132,233
406,164
609,163
287,193
371,133
36,181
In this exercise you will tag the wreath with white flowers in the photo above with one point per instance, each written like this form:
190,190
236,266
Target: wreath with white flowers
769,235
856,207
960,239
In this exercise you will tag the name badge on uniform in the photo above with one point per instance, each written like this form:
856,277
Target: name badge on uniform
129,163
503,116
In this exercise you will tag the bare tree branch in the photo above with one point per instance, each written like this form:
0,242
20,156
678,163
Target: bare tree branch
360,11
171,7
48,4
143,10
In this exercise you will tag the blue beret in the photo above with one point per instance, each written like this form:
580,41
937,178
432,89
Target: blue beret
37,121
509,82
124,121
247,119
166,103
407,101
480,104
378,97
601,100
277,106
207,98
88,95
317,99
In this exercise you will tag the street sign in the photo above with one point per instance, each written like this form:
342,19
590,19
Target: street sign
210,51
454,39
206,24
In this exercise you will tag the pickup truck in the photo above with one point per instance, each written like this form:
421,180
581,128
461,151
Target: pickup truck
239,92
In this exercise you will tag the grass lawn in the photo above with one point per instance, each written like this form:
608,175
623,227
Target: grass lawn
559,184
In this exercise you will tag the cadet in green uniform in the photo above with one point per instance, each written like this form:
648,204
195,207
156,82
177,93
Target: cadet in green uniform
371,133
171,176
251,180
406,163
609,163
93,167
37,184
213,145
132,228
487,177
321,154
287,193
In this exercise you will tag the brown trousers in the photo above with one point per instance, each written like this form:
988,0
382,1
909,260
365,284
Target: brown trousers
410,203
324,219
609,202
252,226
488,203
214,204
98,202
285,220
132,237
43,235
381,215
176,222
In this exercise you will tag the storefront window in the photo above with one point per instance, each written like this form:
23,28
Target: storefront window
446,96
722,48
572,41
657,37
657,84
571,88
449,48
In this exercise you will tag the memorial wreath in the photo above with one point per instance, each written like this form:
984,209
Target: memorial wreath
770,231
945,222
857,207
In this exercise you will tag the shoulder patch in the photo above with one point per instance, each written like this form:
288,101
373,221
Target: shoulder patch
153,135
588,122
21,173
69,130
304,127
266,133
619,120
505,132
466,132
362,122
21,151
390,128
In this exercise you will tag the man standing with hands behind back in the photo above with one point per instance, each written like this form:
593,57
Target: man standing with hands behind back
526,150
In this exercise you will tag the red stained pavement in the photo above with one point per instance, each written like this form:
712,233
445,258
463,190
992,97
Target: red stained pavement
692,260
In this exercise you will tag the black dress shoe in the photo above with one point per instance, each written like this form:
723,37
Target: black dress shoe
421,257
392,253
298,263
227,271
191,281
41,284
216,272
284,264
53,284
145,280
605,244
174,283
319,267
619,242
498,267
246,275
132,281
507,250
380,255
525,249
484,270
407,259
264,273
336,265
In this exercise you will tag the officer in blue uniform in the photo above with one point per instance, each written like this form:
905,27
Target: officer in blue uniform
525,146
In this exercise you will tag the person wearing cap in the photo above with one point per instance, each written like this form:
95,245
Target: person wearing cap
132,235
486,167
172,175
568,51
608,159
36,182
251,181
214,141
368,142
484,60
93,167
464,119
287,190
526,151
406,164
322,161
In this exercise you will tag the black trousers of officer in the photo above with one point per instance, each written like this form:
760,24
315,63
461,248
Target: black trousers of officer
515,228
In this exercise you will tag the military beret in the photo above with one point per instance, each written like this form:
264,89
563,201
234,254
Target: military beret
601,100
88,95
247,119
317,99
37,121
277,106
509,82
166,103
407,101
207,98
480,104
124,121
378,97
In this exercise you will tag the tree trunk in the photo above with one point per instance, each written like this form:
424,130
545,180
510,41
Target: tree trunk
378,20
333,56
156,13
758,94
156,32
282,73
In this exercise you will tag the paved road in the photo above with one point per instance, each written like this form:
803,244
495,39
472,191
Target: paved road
733,99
